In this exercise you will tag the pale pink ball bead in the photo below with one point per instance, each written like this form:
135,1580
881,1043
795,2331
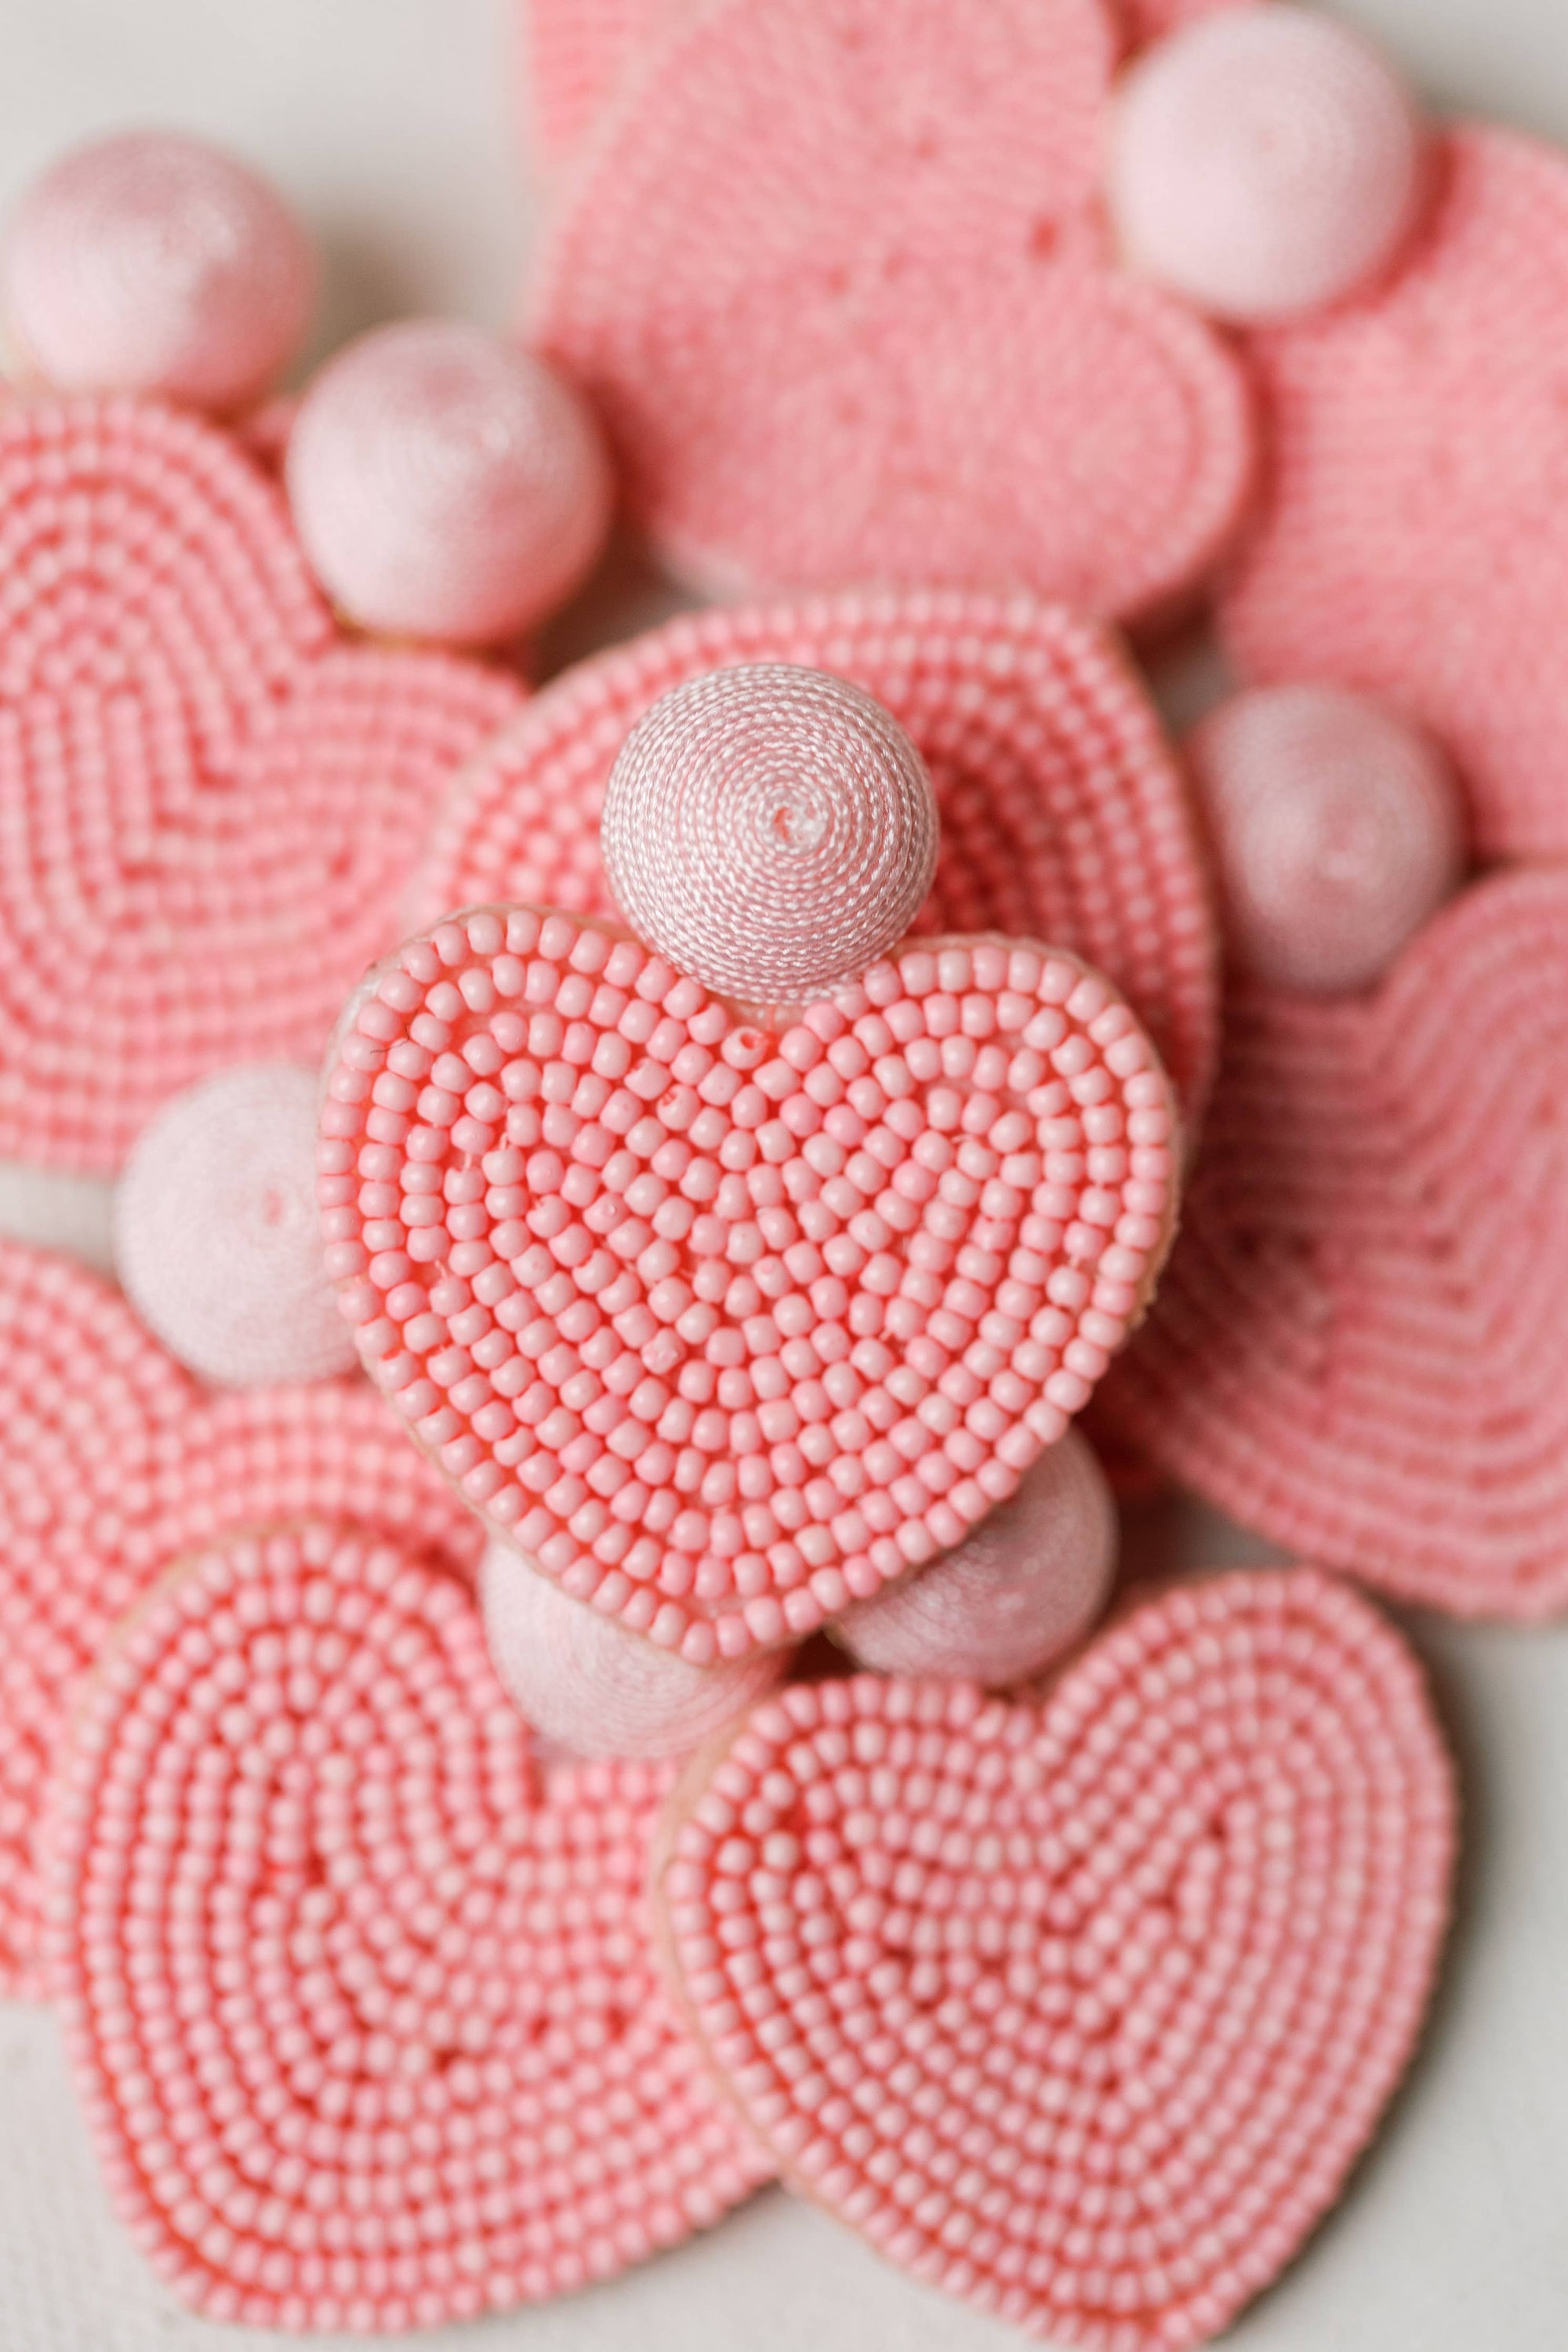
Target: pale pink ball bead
591,1688
1264,162
152,263
445,485
1336,827
770,830
1024,1588
218,1240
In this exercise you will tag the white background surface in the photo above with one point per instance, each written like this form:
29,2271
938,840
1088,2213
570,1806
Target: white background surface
391,124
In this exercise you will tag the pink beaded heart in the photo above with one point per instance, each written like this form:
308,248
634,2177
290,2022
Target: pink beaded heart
1082,2011
1361,1345
833,275
365,2015
114,1464
1064,814
575,53
1411,538
726,1326
210,802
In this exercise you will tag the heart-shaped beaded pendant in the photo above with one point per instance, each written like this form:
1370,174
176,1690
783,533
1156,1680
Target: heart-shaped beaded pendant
728,1326
1361,1347
210,802
365,2013
1080,2008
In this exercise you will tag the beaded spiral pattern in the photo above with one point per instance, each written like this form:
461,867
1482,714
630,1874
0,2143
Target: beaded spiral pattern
115,1464
367,2019
1081,2010
1409,541
1064,814
726,1328
770,830
209,806
1360,1346
834,279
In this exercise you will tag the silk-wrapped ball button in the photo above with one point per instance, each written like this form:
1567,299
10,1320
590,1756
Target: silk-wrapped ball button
1264,163
217,1240
152,263
594,1688
1336,828
445,484
1028,1583
770,830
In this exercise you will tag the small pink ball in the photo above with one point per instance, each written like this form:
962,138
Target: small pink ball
217,1242
445,485
1264,162
1336,827
770,830
591,1688
1025,1587
152,263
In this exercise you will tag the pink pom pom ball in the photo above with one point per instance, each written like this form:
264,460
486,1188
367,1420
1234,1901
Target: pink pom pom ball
1337,830
593,1688
1264,163
216,1239
445,484
770,830
152,263
1026,1586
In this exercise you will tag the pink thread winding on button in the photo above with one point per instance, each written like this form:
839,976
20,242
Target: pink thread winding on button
365,2015
1021,1590
1064,814
445,485
211,803
1412,540
1081,2010
1361,1343
726,1326
113,1466
150,262
835,279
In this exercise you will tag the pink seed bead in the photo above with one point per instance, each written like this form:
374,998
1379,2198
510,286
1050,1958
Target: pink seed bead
445,485
1264,163
772,830
217,1242
150,262
1336,827
1022,1589
594,1688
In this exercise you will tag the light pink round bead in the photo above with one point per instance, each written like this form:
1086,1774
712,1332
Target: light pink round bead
1028,1583
594,1688
216,1239
1336,827
445,485
150,262
1264,163
770,830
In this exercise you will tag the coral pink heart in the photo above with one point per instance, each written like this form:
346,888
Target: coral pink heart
1361,1347
1083,2009
366,2014
832,274
1410,540
114,1464
575,53
726,1326
210,803
1064,814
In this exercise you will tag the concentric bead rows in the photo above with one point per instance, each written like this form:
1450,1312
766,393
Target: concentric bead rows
726,1328
209,809
1082,2011
367,2026
1360,1348
1063,812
